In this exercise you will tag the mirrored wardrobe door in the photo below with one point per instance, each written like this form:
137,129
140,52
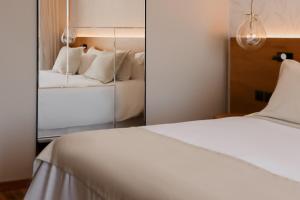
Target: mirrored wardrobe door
76,90
94,21
130,77
130,72
53,66
98,62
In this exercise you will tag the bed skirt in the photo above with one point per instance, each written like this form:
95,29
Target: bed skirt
52,183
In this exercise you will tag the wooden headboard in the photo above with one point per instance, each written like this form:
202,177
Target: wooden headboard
253,74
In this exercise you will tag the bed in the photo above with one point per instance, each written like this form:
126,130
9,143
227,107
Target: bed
233,158
250,157
85,103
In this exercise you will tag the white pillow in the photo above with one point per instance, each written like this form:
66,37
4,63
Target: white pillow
60,65
125,70
138,69
85,62
285,101
102,68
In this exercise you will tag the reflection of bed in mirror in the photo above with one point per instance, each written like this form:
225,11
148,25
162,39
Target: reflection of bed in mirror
76,102
86,104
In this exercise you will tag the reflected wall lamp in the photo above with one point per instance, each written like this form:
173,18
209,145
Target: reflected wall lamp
69,36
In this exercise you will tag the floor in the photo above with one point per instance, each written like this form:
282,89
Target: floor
13,195
14,190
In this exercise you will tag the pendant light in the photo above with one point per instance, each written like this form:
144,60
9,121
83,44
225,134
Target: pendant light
251,34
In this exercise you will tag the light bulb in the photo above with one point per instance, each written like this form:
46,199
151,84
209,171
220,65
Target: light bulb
251,34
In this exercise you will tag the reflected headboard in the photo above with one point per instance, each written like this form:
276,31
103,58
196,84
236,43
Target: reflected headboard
102,43
253,74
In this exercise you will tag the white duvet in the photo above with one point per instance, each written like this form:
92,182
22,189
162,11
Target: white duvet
268,145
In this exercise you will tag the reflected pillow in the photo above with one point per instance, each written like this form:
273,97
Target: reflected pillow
102,68
125,70
85,62
120,55
60,65
94,51
138,69
140,57
285,101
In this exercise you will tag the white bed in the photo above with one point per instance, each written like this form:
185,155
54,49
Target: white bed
84,103
267,145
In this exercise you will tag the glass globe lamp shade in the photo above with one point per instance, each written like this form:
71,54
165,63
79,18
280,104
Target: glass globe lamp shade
72,36
251,34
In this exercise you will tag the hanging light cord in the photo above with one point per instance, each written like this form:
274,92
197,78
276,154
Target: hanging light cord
252,2
251,14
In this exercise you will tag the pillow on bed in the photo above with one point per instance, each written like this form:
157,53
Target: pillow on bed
85,62
138,69
285,101
125,70
60,65
102,68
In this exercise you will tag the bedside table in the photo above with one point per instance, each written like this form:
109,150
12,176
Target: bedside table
224,115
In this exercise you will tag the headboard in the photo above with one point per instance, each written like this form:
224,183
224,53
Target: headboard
253,74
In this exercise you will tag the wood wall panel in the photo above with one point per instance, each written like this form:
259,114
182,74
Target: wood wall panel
255,70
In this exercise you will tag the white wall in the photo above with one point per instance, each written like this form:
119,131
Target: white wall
186,59
17,88
108,13
281,18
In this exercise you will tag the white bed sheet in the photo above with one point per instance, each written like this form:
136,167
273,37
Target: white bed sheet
268,145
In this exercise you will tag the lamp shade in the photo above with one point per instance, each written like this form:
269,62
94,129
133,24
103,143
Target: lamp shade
251,34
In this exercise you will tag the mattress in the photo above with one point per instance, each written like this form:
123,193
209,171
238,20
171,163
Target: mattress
266,147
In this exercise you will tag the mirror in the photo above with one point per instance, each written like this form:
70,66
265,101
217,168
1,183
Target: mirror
91,66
